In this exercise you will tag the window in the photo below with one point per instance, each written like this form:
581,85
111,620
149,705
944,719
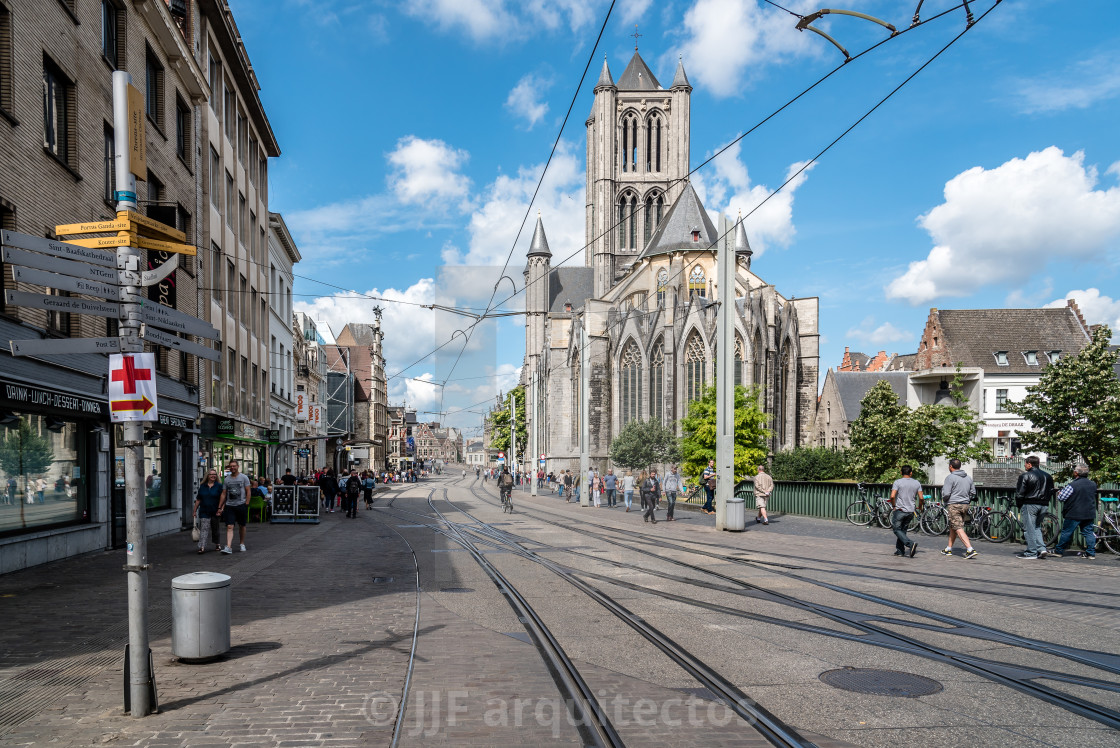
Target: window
58,322
58,109
110,165
231,290
214,77
630,382
653,144
215,179
229,200
253,159
153,93
1031,357
697,284
244,386
231,376
252,235
183,131
694,368
7,221
255,413
630,143
241,219
242,136
253,311
1001,401
243,289
111,28
262,185
1053,356
662,284
229,109
50,489
216,272
155,188
5,59
1001,358
633,223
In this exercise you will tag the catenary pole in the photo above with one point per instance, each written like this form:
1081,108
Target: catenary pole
725,382
512,433
534,436
136,566
584,414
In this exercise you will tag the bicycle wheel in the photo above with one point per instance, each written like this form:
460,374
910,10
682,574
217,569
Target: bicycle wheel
999,528
935,521
859,513
1051,528
883,514
1109,537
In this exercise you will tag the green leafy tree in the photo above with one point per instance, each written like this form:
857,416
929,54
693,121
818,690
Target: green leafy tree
698,444
810,464
642,444
1075,409
25,454
499,425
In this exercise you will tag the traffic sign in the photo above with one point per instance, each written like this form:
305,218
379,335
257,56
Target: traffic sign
97,227
64,346
63,304
152,277
66,283
161,246
167,340
59,265
152,226
66,250
172,319
132,387
123,239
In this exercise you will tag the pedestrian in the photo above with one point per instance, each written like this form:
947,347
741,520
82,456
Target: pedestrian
234,506
368,482
206,504
708,479
1033,491
1079,512
577,479
628,489
351,490
906,498
329,488
596,489
505,486
672,486
288,479
763,487
957,493
568,485
651,494
610,485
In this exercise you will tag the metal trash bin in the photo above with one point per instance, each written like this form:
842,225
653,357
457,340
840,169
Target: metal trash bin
200,615
736,519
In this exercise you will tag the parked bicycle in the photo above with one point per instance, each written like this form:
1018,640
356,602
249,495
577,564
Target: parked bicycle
1108,531
867,509
934,519
1003,526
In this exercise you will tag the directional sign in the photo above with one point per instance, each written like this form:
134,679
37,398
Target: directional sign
66,283
162,246
167,340
152,277
63,304
128,240
97,227
64,346
124,239
59,265
67,250
152,226
172,319
132,387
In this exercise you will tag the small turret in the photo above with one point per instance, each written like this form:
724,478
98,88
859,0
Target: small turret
680,80
605,79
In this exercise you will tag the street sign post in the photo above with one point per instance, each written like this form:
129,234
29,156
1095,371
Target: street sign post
54,248
96,227
167,340
132,387
59,346
172,319
63,304
66,283
61,265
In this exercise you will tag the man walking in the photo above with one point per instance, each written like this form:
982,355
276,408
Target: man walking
353,490
1079,511
567,485
610,485
651,494
1033,492
763,487
672,487
288,479
957,492
234,506
708,480
906,497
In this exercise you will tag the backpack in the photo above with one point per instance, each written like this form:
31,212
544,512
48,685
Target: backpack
353,488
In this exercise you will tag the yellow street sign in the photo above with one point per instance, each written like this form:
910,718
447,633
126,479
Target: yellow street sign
130,240
151,225
161,246
137,134
99,227
101,242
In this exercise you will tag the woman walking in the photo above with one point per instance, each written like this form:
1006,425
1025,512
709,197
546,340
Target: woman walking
206,508
596,489
628,489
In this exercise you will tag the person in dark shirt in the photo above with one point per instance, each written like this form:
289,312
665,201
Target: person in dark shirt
1079,512
206,509
288,479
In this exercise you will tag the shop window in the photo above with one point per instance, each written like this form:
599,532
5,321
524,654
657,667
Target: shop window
43,469
158,461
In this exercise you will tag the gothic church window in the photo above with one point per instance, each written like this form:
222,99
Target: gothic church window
662,283
629,143
697,283
758,355
633,223
694,368
653,144
657,383
738,361
630,383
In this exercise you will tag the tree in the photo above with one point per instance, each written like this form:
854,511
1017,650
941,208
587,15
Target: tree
888,435
642,444
499,425
25,453
810,463
698,444
1075,409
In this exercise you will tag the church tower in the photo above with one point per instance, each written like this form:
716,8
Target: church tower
637,160
537,266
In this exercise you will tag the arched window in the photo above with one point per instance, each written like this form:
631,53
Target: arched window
648,219
630,382
622,211
625,150
738,361
662,283
697,284
634,222
630,143
658,210
759,356
633,144
782,384
657,383
694,368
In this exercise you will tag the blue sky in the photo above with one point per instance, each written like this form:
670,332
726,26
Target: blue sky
413,135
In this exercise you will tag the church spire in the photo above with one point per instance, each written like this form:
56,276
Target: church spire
739,243
539,245
605,79
680,80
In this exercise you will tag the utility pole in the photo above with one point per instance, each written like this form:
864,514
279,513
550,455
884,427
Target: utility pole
534,437
584,414
512,433
725,384
140,682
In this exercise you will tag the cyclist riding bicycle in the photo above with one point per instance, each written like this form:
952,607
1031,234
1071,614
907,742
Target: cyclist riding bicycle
505,485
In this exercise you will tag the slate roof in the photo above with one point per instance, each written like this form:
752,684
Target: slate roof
903,362
853,385
574,284
675,230
637,76
539,245
680,80
973,336
605,78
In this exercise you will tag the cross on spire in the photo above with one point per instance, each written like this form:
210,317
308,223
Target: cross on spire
636,36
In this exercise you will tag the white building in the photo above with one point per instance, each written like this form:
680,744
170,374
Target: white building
282,255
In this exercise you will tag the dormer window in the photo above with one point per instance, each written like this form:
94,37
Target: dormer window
1001,358
696,235
1031,357
1053,356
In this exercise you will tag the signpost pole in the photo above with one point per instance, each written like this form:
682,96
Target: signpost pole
533,436
140,683
584,413
725,384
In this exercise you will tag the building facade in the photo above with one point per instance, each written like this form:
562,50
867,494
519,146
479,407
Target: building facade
310,394
841,402
364,344
282,256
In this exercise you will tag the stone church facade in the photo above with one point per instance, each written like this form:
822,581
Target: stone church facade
645,295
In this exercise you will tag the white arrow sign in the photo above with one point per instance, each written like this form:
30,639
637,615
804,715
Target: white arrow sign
63,304
63,346
66,283
172,319
167,340
59,265
152,277
64,250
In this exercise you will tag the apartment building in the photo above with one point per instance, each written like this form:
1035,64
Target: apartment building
57,58
282,255
310,394
363,345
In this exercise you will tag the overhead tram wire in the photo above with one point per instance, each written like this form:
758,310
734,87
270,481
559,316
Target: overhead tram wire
784,106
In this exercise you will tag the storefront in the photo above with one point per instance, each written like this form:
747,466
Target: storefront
226,439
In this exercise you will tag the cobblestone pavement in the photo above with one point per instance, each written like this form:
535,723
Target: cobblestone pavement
323,621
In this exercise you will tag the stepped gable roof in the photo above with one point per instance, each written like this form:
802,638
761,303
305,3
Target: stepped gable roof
685,226
854,385
680,80
974,336
637,76
539,245
605,78
570,284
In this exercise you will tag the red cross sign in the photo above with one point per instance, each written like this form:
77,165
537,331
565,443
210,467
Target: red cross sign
132,387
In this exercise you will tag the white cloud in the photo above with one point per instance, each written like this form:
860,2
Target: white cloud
524,100
1079,86
427,172
882,334
724,39
502,20
1004,224
632,10
1095,307
727,188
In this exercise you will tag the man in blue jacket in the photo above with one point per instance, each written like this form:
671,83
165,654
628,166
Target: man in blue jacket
1079,511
